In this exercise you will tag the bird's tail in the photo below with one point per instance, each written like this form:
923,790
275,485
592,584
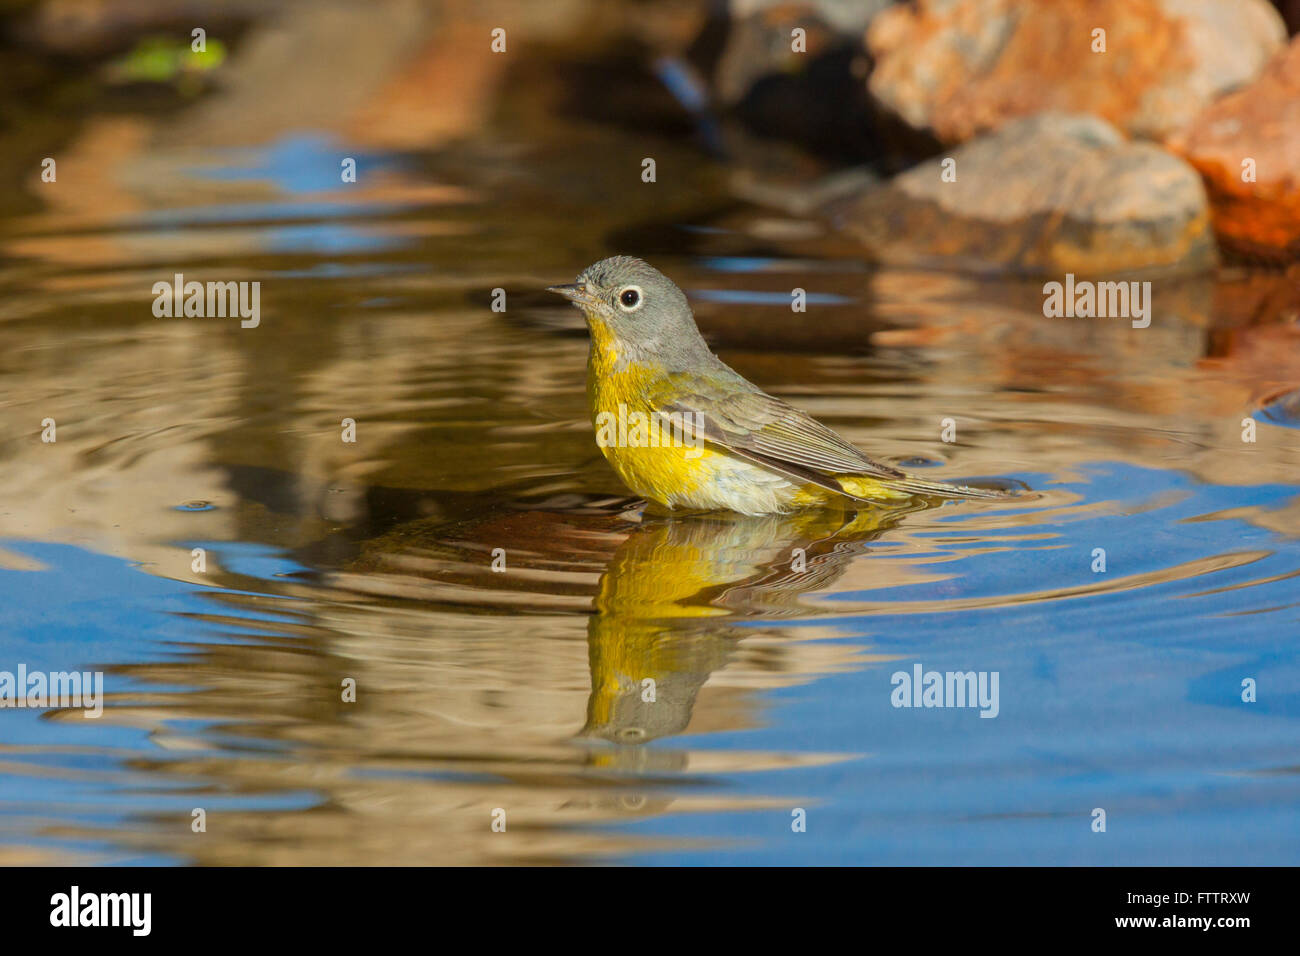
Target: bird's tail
907,486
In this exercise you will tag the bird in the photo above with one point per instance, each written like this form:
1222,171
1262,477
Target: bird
686,432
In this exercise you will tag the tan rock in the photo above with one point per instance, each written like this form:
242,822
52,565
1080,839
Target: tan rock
1045,195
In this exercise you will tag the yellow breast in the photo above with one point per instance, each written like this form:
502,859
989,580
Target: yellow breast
661,462
653,459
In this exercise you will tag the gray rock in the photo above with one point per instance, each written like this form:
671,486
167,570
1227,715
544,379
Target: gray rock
1045,195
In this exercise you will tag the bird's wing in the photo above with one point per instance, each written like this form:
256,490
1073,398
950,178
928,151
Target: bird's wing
754,424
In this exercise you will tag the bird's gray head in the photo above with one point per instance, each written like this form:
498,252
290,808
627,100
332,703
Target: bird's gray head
637,311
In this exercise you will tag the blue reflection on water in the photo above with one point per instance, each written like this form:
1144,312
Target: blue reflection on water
1127,700
88,612
1120,691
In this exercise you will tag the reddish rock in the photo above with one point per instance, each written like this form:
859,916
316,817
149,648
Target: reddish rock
1260,123
956,68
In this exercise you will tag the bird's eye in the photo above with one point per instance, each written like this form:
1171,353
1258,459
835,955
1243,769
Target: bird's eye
630,299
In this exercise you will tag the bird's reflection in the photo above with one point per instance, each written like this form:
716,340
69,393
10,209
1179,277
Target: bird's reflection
670,602
473,683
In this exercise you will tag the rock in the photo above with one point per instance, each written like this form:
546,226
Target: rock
1259,123
844,16
80,28
957,68
1290,10
1045,195
760,44
808,91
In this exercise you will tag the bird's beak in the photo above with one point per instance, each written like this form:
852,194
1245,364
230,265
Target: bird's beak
575,292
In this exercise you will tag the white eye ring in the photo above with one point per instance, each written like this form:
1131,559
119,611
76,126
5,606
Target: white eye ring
640,298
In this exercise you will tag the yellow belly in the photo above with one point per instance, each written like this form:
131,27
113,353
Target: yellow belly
718,481
705,480
667,467
676,473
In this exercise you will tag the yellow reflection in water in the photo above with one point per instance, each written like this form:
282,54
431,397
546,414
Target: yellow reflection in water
668,599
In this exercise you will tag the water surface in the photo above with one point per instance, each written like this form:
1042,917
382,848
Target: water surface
771,642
